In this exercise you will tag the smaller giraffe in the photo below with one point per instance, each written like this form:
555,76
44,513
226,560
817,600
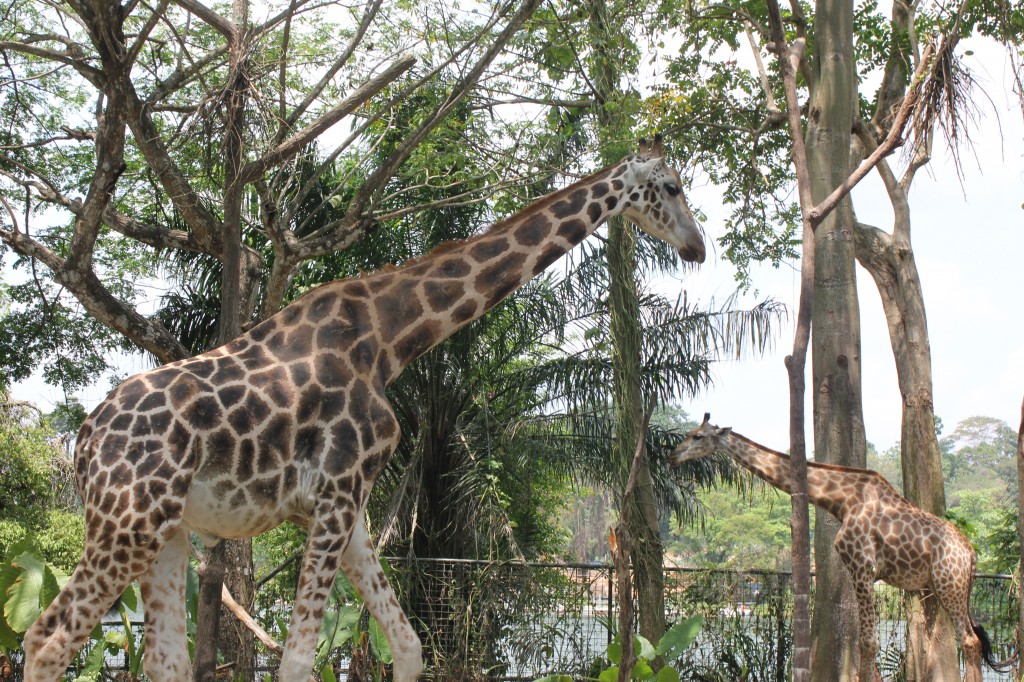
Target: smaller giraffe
882,537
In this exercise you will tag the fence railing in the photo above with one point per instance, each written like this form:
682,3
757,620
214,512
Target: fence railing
518,621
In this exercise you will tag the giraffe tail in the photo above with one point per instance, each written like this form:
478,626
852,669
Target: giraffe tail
986,652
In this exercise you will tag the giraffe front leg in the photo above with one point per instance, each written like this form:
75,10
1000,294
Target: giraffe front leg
163,599
362,567
327,540
867,631
103,573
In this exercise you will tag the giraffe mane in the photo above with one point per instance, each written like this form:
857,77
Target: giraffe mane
819,465
541,204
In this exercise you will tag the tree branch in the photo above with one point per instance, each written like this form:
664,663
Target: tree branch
371,11
223,26
891,141
292,145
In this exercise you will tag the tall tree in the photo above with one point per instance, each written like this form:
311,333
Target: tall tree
721,103
838,415
159,73
640,513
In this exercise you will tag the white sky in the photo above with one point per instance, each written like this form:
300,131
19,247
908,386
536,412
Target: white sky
969,245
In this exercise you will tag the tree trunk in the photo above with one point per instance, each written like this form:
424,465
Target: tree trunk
838,420
208,615
641,513
231,560
931,639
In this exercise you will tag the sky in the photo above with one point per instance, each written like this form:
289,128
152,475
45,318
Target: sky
968,238
968,241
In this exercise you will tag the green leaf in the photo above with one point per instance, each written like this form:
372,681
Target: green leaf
327,674
117,639
668,674
679,637
8,637
53,580
641,671
643,648
93,664
22,607
130,597
615,651
609,675
379,643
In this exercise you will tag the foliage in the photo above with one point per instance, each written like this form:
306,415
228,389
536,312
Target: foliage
29,583
36,486
671,646
738,530
980,469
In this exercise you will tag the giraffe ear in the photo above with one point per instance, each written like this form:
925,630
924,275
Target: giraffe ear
724,431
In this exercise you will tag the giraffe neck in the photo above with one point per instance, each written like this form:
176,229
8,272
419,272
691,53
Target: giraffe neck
826,485
417,306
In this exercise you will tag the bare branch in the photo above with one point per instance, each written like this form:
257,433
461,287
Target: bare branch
462,88
891,141
755,49
371,11
151,23
292,145
219,23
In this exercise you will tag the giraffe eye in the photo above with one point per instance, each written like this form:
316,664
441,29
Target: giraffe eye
672,189
697,436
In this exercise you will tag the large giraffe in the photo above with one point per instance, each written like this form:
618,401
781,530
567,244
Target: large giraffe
881,537
290,422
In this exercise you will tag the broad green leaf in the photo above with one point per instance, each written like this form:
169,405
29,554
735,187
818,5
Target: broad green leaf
615,651
116,638
327,674
130,597
609,675
641,671
379,643
643,648
668,674
8,637
93,664
53,580
554,678
22,607
679,637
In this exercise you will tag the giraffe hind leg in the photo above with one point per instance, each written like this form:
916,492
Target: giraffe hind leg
327,540
362,567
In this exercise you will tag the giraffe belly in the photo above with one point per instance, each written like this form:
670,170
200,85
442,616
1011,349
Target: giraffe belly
904,572
226,509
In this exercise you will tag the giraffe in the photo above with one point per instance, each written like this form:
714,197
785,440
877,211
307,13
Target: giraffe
881,537
289,422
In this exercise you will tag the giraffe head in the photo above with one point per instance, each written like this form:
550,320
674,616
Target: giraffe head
704,440
654,201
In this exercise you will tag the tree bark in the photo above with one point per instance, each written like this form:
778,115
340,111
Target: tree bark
931,645
641,513
230,563
838,419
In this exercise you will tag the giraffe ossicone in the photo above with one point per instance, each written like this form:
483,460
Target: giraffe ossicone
289,422
882,536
